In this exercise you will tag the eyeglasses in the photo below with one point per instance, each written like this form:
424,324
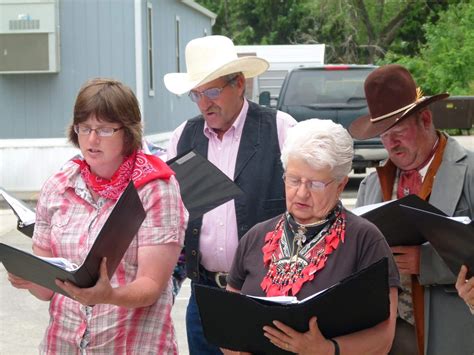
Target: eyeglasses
211,93
312,185
101,131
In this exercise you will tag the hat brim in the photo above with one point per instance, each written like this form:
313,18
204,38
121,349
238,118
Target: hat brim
363,128
250,66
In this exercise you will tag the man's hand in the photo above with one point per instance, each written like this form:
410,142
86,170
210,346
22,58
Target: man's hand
407,259
465,287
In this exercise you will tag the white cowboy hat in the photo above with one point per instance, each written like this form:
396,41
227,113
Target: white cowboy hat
209,58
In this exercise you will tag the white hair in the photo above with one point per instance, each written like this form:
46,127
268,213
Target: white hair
320,144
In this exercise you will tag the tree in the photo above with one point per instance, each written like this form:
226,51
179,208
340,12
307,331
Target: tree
372,27
354,31
445,61
259,22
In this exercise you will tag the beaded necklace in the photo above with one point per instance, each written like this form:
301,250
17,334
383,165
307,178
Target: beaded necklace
293,258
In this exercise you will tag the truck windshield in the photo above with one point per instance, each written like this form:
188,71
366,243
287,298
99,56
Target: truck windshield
314,87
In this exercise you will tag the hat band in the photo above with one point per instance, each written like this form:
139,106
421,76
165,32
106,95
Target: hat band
390,114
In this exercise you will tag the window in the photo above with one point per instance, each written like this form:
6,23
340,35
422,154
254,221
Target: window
327,87
178,45
151,71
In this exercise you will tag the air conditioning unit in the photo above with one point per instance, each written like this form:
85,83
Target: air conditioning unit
29,36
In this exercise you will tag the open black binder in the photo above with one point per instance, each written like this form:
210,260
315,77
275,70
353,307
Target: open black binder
112,242
393,223
235,321
202,186
453,240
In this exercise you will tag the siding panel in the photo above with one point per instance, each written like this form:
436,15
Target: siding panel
97,38
92,44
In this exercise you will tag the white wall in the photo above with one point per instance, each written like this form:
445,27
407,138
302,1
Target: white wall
25,164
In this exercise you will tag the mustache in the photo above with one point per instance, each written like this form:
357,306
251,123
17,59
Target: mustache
397,150
213,109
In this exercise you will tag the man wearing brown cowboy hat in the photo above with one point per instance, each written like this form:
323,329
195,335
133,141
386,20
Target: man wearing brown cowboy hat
421,160
242,139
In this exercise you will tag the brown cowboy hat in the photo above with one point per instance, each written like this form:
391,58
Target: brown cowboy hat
391,96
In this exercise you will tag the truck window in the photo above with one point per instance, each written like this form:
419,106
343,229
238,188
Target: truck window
313,87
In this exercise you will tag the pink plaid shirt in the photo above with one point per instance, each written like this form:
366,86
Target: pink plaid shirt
67,222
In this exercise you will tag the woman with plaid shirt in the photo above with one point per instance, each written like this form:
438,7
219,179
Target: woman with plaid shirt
131,310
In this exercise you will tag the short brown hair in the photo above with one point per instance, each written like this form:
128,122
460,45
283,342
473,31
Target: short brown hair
110,101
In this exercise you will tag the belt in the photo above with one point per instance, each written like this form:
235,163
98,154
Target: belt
220,278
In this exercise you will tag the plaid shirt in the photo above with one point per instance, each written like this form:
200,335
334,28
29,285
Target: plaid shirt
67,222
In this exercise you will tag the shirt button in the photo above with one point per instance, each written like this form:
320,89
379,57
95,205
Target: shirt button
193,252
195,231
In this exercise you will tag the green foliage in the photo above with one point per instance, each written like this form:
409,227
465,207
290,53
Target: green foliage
411,36
445,61
260,22
434,39
354,31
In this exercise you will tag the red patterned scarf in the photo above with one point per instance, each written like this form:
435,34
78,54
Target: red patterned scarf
139,167
289,270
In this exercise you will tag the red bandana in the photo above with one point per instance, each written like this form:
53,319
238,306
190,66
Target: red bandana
139,167
286,273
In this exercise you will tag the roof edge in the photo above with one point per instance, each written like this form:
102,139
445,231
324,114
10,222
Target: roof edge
201,9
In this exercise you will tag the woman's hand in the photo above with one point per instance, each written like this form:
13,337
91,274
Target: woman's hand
100,293
311,342
20,283
155,265
36,290
465,287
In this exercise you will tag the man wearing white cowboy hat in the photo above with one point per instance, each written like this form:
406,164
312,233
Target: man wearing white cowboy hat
421,160
242,139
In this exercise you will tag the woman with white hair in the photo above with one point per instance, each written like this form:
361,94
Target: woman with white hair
315,243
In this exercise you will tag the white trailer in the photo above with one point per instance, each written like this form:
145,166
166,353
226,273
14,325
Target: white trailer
282,58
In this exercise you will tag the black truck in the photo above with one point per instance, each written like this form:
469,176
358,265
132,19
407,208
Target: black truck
333,92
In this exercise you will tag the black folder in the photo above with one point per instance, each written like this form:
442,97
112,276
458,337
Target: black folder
112,242
453,240
203,186
393,223
234,321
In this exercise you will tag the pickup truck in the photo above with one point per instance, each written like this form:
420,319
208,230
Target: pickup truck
333,92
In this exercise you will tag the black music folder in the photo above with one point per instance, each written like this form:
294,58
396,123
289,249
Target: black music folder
452,239
203,186
234,321
393,223
25,215
112,242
